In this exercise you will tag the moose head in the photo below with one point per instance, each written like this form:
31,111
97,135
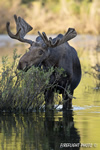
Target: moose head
39,50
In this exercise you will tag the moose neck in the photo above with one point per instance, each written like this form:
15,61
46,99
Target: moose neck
53,58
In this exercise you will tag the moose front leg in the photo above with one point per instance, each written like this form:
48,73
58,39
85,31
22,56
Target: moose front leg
67,101
49,96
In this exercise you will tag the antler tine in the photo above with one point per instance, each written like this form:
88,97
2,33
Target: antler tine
41,35
54,44
44,38
22,29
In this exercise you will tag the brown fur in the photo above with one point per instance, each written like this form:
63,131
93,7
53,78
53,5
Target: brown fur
63,56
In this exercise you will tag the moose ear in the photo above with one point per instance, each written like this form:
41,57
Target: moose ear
60,36
38,39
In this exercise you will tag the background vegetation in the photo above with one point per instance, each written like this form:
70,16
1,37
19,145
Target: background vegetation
53,16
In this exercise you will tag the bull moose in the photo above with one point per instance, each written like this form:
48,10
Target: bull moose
48,53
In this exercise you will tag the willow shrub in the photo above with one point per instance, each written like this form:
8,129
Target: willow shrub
23,91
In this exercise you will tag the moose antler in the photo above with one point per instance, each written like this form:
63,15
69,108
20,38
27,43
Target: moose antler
49,43
71,33
22,28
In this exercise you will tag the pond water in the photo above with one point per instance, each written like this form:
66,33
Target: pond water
76,129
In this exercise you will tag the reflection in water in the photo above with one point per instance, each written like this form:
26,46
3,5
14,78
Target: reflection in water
45,131
61,133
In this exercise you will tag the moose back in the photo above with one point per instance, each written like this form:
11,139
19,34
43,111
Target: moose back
50,52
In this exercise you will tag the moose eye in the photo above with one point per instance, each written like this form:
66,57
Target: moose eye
40,52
